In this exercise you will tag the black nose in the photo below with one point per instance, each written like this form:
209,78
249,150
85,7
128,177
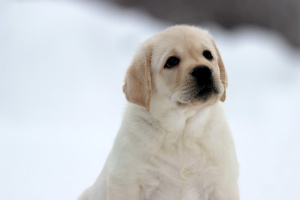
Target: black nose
202,75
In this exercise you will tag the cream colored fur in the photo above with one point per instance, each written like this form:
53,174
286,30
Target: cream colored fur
171,146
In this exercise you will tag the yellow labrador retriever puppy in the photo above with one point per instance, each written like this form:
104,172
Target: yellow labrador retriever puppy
174,142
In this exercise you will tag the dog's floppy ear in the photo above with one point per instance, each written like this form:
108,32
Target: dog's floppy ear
223,73
137,86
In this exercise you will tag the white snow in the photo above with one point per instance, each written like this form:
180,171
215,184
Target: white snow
61,100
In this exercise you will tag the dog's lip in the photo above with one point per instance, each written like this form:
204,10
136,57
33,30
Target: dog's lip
206,88
197,93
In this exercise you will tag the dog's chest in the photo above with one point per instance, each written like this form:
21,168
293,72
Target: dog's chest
178,175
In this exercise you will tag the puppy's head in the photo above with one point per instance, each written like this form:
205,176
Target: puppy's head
181,64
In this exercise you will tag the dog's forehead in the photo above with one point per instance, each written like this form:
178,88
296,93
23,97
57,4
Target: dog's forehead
185,34
182,38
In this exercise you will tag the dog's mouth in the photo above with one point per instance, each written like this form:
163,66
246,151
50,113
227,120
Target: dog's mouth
206,91
198,94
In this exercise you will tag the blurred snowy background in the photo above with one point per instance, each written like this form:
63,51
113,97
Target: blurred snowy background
62,65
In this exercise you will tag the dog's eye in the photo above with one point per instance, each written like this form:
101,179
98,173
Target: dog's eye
207,55
172,62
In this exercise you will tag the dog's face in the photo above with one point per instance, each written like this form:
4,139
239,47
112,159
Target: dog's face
181,64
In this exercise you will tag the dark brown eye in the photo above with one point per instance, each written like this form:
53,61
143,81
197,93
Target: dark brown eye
172,62
207,55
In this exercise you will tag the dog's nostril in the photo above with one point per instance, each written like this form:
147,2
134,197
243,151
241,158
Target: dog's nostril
202,73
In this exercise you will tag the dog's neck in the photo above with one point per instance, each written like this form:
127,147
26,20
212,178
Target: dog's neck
175,119
166,126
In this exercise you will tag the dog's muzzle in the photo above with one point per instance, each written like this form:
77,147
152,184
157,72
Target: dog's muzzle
205,81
